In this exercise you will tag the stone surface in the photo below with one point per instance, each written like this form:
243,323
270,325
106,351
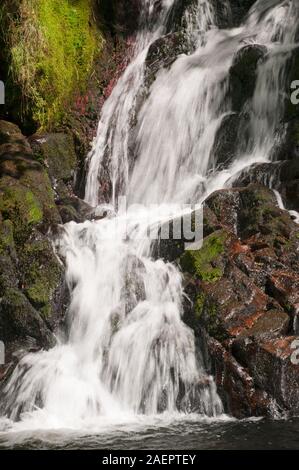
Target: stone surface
32,290
243,74
242,297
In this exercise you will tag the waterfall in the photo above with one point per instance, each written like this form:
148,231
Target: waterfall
128,351
112,142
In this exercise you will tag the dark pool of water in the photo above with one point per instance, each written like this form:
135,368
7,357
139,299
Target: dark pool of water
182,435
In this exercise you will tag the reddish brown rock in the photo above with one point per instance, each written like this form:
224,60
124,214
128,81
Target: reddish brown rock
243,285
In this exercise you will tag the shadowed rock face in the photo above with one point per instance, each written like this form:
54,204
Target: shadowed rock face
243,74
243,290
120,16
32,291
281,175
228,14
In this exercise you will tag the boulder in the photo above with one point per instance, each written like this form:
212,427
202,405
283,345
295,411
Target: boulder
271,363
243,74
227,140
281,175
57,153
162,53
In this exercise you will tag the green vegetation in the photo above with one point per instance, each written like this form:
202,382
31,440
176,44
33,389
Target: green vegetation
41,274
52,44
21,203
6,236
203,262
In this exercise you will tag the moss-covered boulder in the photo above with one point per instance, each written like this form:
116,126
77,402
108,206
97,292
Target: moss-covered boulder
32,291
205,263
18,319
57,153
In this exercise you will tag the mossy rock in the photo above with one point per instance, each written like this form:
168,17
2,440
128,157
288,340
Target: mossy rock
205,263
8,132
19,202
28,201
6,237
19,319
57,152
41,274
259,213
27,198
205,315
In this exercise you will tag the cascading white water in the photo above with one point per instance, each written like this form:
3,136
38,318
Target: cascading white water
178,123
115,125
128,351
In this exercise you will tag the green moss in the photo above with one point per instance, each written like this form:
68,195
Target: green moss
41,274
203,262
199,305
19,204
206,313
58,151
6,236
52,45
35,213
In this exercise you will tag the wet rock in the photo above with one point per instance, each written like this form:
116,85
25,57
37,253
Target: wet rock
10,133
235,385
18,319
243,74
273,365
176,19
57,153
265,174
175,236
162,53
284,287
226,140
134,288
281,175
242,288
227,14
240,9
120,16
74,209
218,204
